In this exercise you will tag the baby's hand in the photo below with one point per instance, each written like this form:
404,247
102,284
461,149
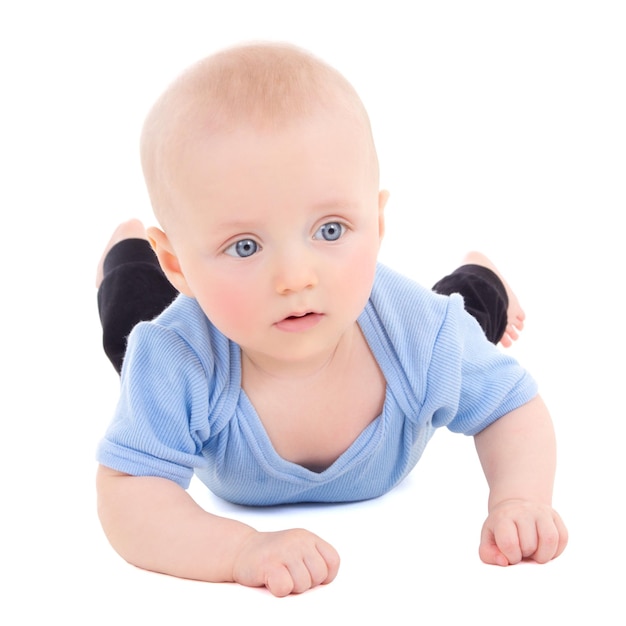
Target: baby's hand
519,529
289,561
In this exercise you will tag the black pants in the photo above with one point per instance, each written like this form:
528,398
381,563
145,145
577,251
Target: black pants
135,289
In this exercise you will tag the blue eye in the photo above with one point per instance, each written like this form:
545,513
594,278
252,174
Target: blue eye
243,248
330,232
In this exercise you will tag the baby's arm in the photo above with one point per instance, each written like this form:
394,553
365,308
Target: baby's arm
518,456
154,524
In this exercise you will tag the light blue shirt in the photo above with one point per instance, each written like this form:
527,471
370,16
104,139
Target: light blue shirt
182,408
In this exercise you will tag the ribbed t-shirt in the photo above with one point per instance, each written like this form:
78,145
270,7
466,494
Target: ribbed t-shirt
182,409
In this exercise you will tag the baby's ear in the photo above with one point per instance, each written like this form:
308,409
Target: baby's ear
168,260
383,196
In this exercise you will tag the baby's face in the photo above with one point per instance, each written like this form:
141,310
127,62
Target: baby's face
280,234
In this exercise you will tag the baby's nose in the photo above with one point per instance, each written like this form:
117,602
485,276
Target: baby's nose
295,272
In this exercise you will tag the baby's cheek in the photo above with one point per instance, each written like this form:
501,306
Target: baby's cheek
361,271
230,308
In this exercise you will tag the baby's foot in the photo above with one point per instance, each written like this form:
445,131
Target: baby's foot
515,313
132,229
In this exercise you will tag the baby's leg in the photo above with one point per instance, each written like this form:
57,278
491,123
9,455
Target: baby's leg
487,297
515,313
131,287
132,229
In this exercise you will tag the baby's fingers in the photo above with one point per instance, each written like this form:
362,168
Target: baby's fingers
331,561
500,545
541,539
283,580
318,567
508,540
551,539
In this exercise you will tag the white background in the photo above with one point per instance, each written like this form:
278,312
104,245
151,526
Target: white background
500,126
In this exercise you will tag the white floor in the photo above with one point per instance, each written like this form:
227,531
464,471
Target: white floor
499,125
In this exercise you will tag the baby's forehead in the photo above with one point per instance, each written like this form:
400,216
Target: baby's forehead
264,85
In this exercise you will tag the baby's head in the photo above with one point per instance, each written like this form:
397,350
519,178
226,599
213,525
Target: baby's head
262,172
257,87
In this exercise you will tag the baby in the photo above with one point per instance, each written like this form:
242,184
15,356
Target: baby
285,364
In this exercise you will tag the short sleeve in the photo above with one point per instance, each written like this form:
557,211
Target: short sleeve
160,424
478,382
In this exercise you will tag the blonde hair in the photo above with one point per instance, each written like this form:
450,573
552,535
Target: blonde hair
265,86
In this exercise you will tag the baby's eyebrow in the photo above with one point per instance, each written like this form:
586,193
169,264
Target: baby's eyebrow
235,225
335,205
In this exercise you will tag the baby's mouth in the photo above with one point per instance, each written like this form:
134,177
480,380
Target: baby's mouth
296,316
299,322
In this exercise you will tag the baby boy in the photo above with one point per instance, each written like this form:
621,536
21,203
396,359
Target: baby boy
291,365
